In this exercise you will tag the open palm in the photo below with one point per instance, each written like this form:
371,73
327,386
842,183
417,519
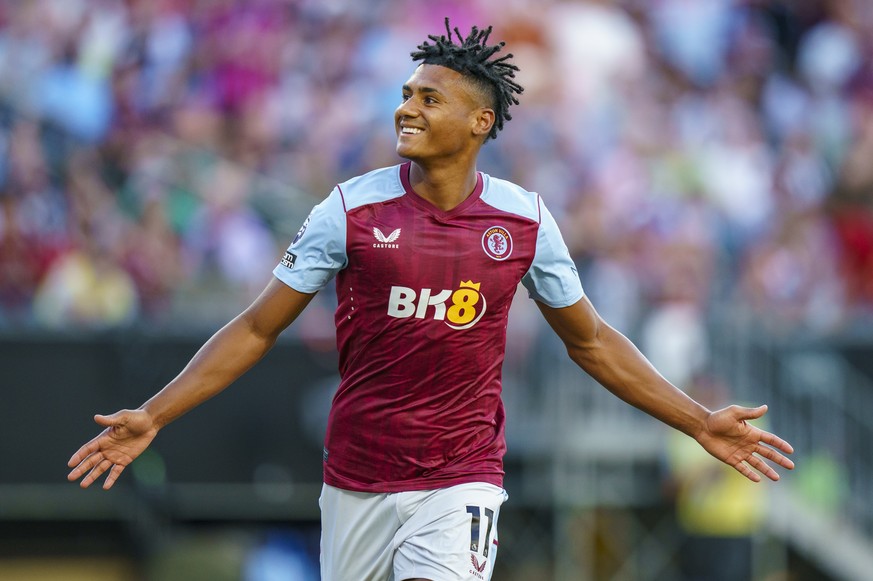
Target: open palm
729,437
128,433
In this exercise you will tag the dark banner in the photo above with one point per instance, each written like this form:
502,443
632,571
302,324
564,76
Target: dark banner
267,427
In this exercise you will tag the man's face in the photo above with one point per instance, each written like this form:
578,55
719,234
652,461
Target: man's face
440,115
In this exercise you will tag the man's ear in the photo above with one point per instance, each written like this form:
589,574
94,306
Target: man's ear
483,122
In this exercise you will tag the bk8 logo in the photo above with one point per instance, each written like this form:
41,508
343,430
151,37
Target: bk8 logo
464,312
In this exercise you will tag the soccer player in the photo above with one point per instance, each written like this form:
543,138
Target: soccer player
427,256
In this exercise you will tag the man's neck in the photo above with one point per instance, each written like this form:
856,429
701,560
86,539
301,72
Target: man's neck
444,187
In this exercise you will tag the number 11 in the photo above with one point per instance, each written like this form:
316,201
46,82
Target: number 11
474,529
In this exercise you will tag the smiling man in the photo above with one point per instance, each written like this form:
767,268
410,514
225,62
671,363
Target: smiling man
427,256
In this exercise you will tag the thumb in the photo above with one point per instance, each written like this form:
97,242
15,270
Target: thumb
110,420
752,413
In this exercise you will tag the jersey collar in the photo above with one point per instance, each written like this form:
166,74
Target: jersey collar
428,206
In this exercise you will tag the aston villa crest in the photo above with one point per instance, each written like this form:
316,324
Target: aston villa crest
497,243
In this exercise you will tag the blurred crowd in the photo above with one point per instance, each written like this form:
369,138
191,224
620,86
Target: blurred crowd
156,156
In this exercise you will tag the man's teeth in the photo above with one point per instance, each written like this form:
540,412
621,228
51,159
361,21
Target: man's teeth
411,130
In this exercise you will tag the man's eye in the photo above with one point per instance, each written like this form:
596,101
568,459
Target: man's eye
404,97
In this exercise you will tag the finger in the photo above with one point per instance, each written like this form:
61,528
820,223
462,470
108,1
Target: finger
775,456
88,467
110,420
762,467
746,471
752,413
114,473
776,442
86,450
76,473
87,464
95,473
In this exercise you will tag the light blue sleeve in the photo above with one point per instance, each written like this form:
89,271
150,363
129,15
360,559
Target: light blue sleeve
552,278
318,251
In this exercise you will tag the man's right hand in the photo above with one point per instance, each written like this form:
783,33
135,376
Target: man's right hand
128,433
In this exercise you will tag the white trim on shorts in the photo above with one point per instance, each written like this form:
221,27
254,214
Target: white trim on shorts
448,534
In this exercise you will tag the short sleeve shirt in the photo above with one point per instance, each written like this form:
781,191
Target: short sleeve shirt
423,296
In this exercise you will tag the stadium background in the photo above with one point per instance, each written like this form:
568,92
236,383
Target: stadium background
710,164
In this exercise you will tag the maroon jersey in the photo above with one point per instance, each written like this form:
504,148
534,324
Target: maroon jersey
423,297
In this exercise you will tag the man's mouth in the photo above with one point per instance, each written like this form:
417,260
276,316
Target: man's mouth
410,130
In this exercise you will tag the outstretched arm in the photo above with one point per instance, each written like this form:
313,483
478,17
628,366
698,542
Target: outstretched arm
611,359
223,358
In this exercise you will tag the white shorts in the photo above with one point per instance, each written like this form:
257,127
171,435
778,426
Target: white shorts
447,534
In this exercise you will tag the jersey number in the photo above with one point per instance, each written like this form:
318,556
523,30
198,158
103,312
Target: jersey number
474,529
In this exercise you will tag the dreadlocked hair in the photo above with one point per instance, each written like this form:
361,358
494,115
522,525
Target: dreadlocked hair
471,59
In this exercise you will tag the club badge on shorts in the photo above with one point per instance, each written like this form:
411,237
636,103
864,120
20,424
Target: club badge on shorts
497,242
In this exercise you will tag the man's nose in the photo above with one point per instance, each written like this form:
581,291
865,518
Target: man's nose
406,109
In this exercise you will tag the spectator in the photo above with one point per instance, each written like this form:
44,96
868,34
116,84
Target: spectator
753,118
